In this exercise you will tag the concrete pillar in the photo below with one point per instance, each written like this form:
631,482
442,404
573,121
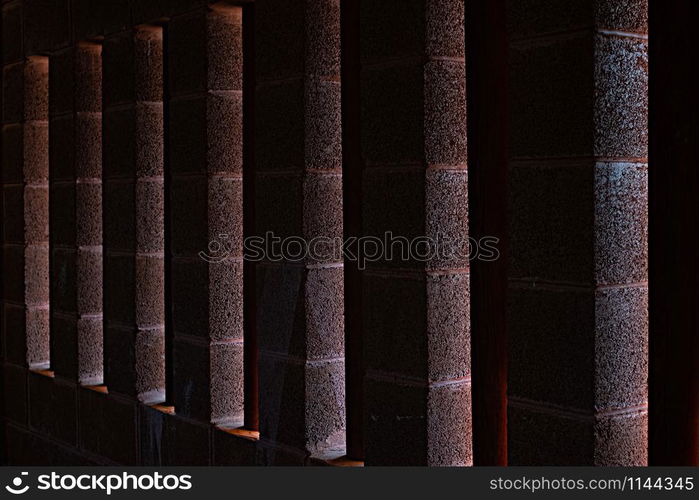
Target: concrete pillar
416,311
26,210
298,193
76,213
206,212
578,292
133,213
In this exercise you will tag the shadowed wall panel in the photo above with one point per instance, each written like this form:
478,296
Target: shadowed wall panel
250,364
76,213
298,192
416,312
133,213
352,169
674,182
577,321
488,142
206,160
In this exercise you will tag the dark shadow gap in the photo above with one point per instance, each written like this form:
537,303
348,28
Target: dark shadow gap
250,362
167,226
352,169
673,181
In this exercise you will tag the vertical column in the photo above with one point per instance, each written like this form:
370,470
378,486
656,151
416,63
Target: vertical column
206,161
416,299
76,213
26,204
577,324
298,191
133,213
674,343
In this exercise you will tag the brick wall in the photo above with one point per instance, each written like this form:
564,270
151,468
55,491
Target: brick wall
138,134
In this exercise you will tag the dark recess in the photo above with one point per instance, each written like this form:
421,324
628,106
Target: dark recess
673,239
487,119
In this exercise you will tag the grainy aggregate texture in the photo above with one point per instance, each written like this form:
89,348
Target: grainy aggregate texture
416,314
129,130
298,152
578,219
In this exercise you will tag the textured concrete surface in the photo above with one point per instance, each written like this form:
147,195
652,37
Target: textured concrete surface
298,156
206,206
173,118
75,177
578,219
133,215
415,312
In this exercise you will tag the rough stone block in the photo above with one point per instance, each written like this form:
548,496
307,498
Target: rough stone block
323,126
621,97
448,327
449,434
88,211
445,113
225,300
322,37
150,199
446,219
324,313
225,132
621,220
225,48
621,347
